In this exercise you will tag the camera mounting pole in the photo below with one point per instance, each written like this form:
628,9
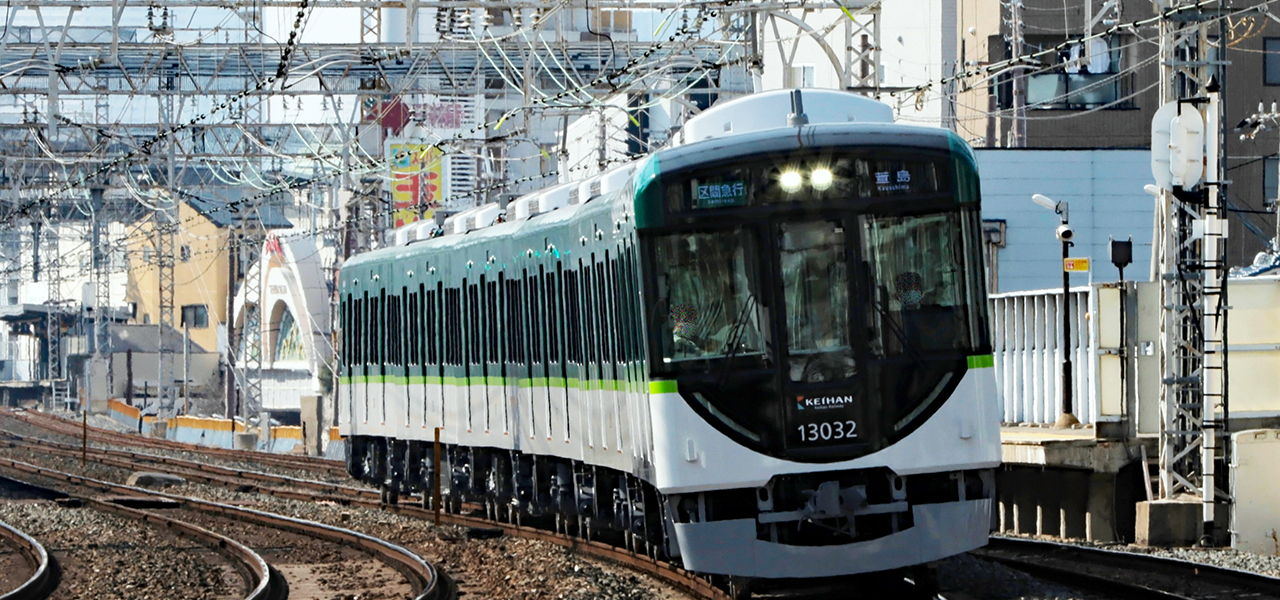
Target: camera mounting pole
1064,234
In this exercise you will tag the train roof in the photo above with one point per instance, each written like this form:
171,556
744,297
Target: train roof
647,170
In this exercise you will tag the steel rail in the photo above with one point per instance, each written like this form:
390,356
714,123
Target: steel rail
422,576
1037,557
264,583
44,579
366,498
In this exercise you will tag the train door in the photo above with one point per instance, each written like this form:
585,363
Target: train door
556,416
379,355
517,368
608,371
360,370
415,387
823,395
454,373
537,304
473,375
433,409
574,375
491,364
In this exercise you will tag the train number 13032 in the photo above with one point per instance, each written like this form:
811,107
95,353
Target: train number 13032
826,431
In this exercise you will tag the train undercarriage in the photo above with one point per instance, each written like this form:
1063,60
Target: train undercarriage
602,504
575,498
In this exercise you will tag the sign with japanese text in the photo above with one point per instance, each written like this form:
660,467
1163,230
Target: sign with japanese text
1075,265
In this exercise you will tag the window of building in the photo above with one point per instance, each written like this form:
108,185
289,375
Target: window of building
1086,75
195,316
185,253
289,339
613,21
1271,66
146,255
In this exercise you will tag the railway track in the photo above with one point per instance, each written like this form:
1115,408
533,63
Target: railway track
267,583
1128,575
260,580
295,488
43,566
62,426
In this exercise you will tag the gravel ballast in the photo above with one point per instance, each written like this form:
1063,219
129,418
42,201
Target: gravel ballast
107,557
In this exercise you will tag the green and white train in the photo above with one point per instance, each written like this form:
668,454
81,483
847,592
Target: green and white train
762,352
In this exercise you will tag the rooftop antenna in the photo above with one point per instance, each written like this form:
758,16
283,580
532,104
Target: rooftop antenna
797,118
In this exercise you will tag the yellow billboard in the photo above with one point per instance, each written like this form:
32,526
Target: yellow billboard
417,181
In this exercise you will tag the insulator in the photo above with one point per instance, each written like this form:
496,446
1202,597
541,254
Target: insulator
442,20
486,19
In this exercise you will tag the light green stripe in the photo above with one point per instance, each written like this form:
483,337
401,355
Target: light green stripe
662,387
611,385
982,361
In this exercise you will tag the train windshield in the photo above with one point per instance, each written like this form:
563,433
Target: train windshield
711,300
820,335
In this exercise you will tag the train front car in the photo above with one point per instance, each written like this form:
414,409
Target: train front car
822,397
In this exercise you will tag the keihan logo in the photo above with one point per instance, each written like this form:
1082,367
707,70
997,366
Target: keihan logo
823,402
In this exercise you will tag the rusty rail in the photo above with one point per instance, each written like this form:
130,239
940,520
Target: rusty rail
44,580
422,576
366,498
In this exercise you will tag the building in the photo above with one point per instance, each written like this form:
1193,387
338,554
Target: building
207,233
1102,94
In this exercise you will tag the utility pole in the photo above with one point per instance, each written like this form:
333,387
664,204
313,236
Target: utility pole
1191,243
53,303
1018,130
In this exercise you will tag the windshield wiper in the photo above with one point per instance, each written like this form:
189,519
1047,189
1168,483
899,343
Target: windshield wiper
885,318
736,334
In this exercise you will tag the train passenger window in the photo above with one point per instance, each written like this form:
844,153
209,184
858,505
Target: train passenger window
707,296
572,323
602,302
491,316
433,332
815,289
619,316
535,319
553,309
630,275
345,332
516,314
357,327
376,329
591,312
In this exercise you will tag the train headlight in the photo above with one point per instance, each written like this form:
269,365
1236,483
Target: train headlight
790,181
821,179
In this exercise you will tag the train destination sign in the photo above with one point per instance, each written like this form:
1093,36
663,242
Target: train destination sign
717,195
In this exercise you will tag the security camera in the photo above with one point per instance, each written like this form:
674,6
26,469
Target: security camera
1065,233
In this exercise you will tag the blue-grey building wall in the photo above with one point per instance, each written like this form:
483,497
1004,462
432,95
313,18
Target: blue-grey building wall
1104,190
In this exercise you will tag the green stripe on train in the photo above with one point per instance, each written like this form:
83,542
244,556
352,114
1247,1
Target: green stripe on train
982,361
611,385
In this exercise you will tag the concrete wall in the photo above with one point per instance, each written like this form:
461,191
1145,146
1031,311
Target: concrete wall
1104,189
203,373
